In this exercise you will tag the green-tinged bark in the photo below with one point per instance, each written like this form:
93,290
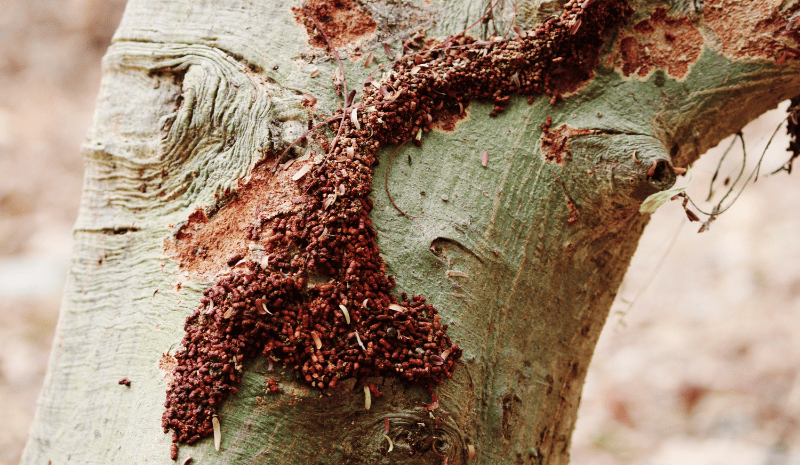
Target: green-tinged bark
522,257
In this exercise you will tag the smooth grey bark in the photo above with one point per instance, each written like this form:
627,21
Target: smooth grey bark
193,96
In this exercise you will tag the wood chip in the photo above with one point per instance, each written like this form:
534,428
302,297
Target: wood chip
217,432
470,451
302,172
485,159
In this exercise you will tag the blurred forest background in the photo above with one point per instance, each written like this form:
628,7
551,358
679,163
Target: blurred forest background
699,362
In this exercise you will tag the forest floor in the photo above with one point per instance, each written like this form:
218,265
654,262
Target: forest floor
699,362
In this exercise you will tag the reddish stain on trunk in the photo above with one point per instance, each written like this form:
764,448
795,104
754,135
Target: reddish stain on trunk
343,20
670,43
554,142
752,29
202,245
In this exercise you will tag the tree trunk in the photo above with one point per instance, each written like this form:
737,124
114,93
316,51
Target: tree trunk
521,250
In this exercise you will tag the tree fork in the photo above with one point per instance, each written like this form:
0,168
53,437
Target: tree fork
521,254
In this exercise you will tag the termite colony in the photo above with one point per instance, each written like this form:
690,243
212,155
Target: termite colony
351,326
